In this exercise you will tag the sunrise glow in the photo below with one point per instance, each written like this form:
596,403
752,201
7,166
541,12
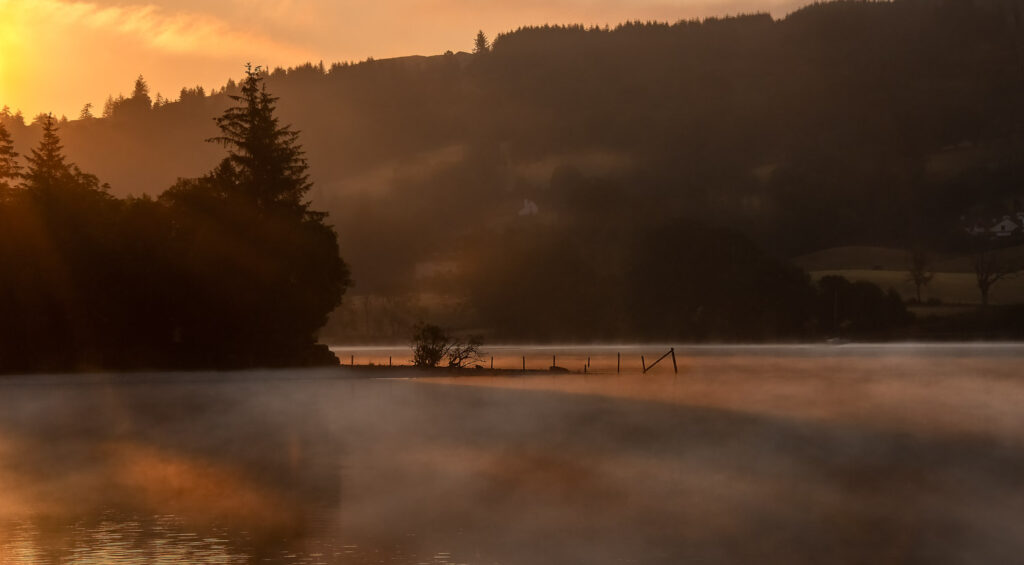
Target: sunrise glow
83,51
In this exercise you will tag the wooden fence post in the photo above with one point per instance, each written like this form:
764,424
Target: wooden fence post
671,352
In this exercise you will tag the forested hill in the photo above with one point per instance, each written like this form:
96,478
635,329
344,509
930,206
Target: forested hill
843,123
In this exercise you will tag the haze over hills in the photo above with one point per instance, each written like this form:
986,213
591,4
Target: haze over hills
845,123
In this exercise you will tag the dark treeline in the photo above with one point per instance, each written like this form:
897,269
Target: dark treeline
231,269
674,281
845,123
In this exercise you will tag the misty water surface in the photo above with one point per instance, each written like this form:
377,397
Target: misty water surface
855,454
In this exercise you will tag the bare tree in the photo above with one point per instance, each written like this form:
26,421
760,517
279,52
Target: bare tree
465,353
919,265
990,268
431,344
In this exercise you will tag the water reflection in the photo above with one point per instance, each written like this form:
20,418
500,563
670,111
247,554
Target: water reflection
911,457
118,539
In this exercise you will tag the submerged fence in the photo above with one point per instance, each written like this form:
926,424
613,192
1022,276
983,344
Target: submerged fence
578,361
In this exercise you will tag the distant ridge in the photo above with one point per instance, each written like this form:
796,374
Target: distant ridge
843,123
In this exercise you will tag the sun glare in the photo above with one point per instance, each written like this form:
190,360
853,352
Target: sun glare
9,51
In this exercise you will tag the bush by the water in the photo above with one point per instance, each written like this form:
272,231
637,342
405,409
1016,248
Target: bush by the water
431,344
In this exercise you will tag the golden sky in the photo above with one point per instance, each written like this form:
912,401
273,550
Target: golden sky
56,55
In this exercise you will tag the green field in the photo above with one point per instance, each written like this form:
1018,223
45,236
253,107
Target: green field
950,288
954,282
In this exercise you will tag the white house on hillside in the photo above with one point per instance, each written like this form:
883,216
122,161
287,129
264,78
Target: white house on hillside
1005,228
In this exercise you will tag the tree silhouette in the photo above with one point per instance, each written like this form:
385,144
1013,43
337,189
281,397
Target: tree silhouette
430,344
188,95
465,352
108,106
10,169
140,94
264,158
990,268
47,169
269,273
86,113
481,44
55,183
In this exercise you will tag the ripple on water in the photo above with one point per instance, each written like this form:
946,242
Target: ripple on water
160,540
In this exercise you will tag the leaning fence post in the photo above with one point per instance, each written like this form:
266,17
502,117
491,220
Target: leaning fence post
674,366
643,363
352,360
524,363
618,362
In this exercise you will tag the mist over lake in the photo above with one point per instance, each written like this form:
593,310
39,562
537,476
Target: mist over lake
576,287
783,454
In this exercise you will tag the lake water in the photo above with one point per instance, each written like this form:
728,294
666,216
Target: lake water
789,455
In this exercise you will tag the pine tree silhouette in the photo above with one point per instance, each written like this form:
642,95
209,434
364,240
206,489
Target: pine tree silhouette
265,159
140,95
48,171
47,168
480,44
10,169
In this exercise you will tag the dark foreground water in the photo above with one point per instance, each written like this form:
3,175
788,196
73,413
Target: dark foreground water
786,455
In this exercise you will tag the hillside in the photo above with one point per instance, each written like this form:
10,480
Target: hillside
842,124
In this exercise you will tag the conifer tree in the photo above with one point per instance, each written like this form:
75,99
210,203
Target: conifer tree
250,212
268,165
109,106
46,166
9,167
48,171
140,95
480,44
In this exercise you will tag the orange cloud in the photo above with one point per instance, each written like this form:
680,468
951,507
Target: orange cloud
90,48
154,27
57,54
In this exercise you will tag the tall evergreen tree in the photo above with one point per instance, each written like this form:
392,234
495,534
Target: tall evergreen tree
480,44
279,259
46,165
140,95
48,172
10,170
268,165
